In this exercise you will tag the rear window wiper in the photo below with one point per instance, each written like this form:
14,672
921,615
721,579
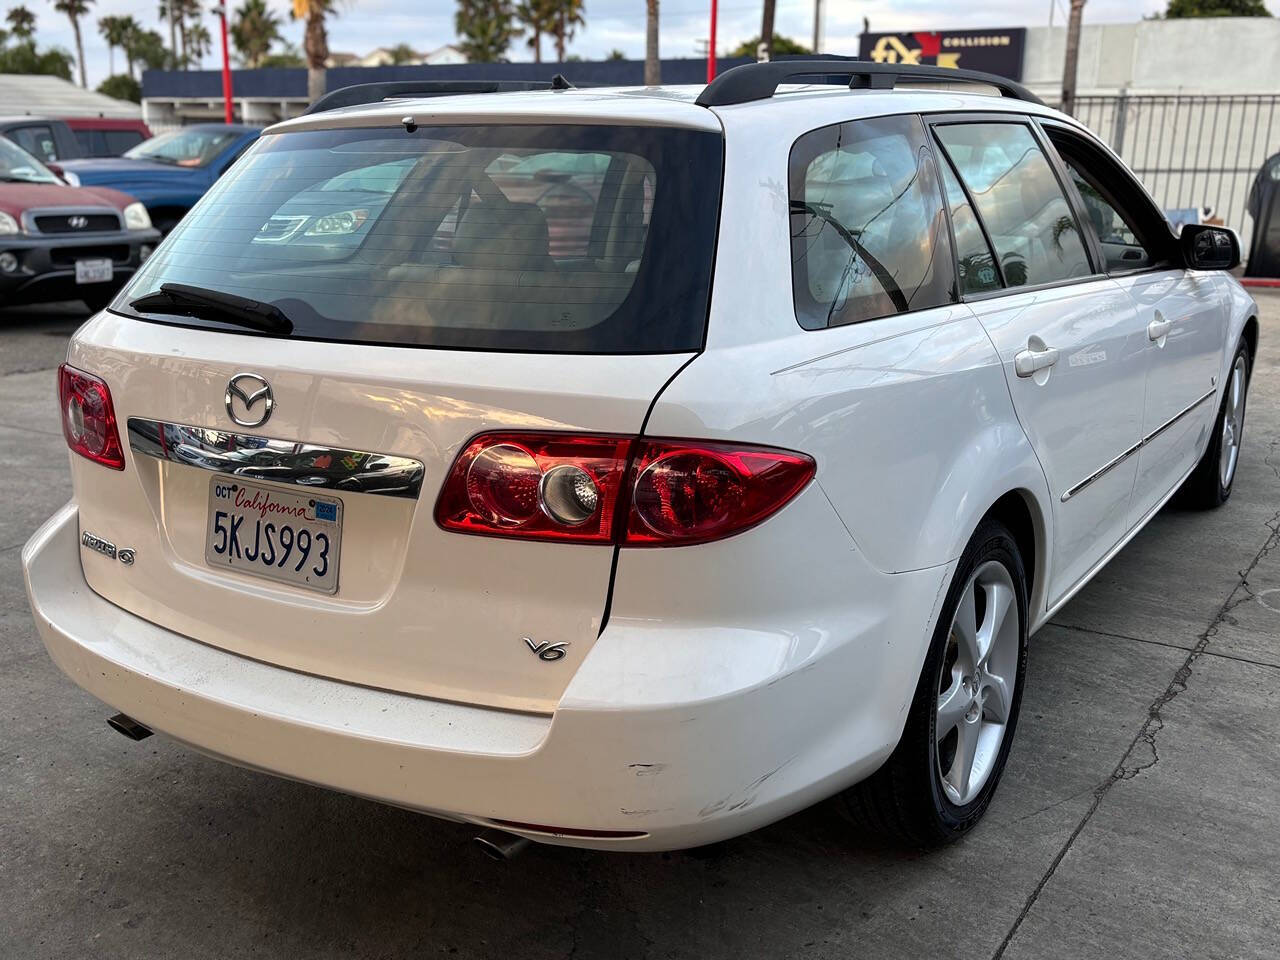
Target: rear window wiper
186,300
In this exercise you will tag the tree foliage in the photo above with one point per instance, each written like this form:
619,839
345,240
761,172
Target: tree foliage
567,16
74,10
289,56
1179,9
121,87
24,57
22,22
486,29
253,32
536,18
781,46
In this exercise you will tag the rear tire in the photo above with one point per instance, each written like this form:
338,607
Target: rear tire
926,793
1211,481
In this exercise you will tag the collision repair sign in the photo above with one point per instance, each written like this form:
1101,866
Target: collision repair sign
997,51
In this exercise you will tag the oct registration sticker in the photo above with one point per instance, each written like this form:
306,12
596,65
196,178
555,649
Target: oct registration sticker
293,538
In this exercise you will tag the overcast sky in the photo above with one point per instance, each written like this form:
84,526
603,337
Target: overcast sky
363,25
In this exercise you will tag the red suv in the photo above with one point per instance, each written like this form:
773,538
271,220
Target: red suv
59,242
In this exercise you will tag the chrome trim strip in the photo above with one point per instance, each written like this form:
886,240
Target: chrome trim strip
1109,465
1175,418
281,461
1112,464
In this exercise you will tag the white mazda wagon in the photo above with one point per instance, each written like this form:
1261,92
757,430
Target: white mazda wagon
630,468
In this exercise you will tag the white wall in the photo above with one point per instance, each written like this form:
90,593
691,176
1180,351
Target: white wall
1201,55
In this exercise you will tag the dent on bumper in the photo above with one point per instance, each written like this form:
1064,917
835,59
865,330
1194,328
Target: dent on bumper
678,775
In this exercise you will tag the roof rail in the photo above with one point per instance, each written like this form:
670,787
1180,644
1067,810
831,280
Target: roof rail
760,81
401,89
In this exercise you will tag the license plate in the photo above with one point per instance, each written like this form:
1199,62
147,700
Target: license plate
289,537
93,271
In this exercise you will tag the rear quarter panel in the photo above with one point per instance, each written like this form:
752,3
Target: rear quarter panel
909,417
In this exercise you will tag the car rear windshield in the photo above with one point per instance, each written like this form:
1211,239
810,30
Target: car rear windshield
539,238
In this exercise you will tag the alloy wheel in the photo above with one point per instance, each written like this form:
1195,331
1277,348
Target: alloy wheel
1232,423
975,691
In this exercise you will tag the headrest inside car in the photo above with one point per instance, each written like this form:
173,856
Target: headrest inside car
502,235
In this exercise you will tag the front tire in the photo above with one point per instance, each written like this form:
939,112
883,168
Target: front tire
938,782
1211,481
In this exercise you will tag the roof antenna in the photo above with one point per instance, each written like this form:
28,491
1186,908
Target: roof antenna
410,125
558,82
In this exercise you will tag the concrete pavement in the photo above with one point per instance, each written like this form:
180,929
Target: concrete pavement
1137,818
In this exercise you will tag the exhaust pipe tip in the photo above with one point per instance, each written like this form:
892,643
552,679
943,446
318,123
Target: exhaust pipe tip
500,846
128,726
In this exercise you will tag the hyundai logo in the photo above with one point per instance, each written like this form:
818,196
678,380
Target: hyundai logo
249,389
77,222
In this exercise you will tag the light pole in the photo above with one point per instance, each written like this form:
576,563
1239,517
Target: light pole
221,12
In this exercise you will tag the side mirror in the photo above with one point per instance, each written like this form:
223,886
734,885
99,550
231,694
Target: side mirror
1209,248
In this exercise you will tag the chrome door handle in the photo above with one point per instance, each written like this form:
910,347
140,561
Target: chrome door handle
1027,363
1158,328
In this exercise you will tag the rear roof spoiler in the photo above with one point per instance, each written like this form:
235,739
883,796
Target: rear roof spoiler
362,93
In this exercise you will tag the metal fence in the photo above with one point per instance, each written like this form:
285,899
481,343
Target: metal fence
1191,150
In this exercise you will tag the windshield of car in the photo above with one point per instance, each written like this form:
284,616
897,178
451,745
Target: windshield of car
546,238
184,148
18,166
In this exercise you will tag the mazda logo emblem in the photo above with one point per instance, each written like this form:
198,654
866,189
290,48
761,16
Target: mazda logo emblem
249,390
77,222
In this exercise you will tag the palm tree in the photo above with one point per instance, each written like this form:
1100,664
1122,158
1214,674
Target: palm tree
1072,56
536,16
131,34
22,23
75,9
112,30
199,43
315,41
186,11
566,15
766,28
255,29
169,13
652,65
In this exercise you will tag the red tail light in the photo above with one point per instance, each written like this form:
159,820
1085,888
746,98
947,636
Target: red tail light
615,489
88,419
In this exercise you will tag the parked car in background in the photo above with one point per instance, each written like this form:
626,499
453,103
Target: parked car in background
107,136
46,139
171,171
59,242
52,140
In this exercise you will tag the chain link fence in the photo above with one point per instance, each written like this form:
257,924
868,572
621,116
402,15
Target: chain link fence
1191,150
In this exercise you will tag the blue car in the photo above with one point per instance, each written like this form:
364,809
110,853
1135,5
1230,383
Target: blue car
169,172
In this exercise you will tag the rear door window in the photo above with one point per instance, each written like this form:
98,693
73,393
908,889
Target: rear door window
36,140
974,259
555,238
1020,201
116,142
868,233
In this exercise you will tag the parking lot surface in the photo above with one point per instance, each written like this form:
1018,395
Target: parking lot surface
1137,817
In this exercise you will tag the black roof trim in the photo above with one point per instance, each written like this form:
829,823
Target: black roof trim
760,81
403,89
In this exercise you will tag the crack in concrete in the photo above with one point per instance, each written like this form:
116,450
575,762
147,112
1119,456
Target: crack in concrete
1154,723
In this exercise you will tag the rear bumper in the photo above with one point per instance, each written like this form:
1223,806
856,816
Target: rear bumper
673,774
46,264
